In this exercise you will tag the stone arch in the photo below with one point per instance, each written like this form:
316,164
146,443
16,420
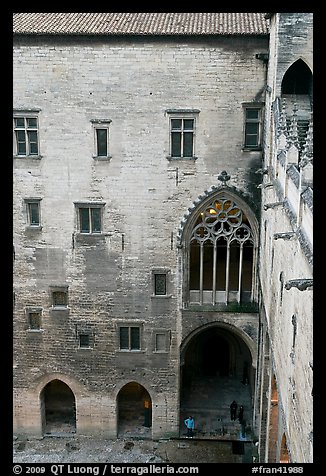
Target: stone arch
232,329
284,452
217,364
58,408
219,242
273,422
297,79
134,410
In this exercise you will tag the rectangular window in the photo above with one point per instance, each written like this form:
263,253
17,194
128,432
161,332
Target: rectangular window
34,318
182,137
129,338
60,298
33,206
26,135
84,341
252,133
102,142
90,219
101,138
160,284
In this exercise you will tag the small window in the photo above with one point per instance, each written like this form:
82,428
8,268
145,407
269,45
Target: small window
34,318
26,135
33,212
160,284
84,341
252,139
130,338
60,298
89,218
101,138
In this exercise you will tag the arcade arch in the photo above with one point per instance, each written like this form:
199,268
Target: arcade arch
58,408
134,411
216,368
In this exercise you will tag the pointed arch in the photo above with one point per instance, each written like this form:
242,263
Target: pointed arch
134,409
297,79
284,453
58,408
219,241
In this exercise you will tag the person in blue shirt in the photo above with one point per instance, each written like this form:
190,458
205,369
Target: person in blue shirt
190,424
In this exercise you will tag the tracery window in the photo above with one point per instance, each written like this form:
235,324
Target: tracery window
221,255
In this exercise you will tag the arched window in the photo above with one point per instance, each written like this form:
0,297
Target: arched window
221,254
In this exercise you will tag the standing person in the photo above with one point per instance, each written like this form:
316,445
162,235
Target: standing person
240,415
190,424
233,410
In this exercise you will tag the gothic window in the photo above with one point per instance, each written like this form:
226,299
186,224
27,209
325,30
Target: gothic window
221,255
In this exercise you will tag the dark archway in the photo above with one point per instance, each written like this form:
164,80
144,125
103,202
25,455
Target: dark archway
58,408
297,79
216,369
134,411
284,452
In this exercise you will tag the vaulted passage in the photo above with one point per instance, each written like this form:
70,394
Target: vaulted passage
58,408
134,411
216,369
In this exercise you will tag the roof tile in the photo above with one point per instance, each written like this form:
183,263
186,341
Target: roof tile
140,23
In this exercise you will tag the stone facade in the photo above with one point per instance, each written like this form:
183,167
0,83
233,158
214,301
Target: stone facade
149,202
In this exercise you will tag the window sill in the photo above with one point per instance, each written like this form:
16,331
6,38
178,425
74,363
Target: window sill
34,157
126,351
251,149
80,234
104,158
59,308
161,296
188,159
35,331
85,348
33,228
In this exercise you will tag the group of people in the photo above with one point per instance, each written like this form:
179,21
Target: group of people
234,413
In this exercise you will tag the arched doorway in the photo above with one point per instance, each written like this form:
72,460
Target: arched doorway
297,98
134,406
216,369
284,453
273,422
58,408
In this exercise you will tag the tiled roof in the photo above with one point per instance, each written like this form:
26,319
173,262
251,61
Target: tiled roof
140,23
